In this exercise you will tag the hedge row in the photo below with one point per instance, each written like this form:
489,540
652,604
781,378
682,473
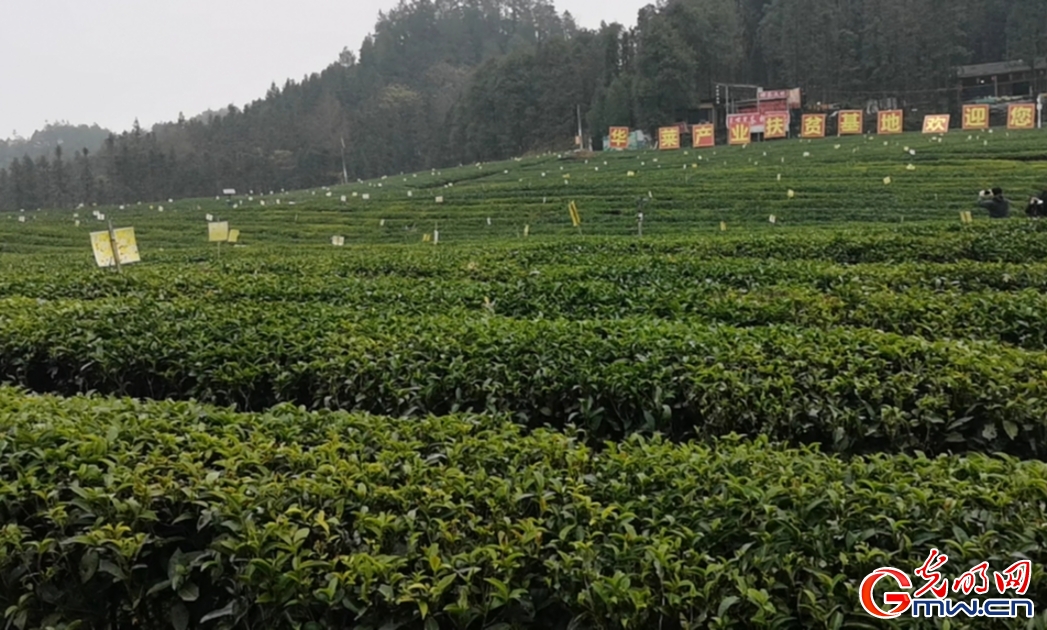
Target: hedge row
434,282
854,390
158,515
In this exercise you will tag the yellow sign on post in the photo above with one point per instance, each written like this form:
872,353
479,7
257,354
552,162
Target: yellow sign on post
813,126
975,117
936,123
850,123
889,122
126,247
669,138
576,219
1021,116
218,232
776,125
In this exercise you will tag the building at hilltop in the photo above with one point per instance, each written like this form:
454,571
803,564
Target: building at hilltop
1003,80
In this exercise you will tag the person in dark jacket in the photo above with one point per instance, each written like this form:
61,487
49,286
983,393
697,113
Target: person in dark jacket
1036,207
994,201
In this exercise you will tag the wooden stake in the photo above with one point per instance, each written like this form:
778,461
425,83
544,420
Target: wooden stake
112,244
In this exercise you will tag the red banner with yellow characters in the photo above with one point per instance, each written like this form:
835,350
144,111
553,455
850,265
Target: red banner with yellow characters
739,131
812,126
975,117
703,136
1021,116
850,122
619,137
775,125
889,122
669,138
936,123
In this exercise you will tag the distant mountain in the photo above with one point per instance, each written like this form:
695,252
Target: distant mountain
71,138
445,82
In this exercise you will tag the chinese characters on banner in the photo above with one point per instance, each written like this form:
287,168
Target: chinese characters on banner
791,98
975,117
1021,116
936,123
739,129
813,126
703,136
619,137
850,123
776,125
889,122
669,138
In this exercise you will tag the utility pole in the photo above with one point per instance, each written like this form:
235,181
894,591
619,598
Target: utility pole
578,108
345,172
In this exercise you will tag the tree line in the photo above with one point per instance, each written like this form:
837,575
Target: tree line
442,82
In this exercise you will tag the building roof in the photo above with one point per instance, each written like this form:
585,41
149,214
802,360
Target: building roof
997,67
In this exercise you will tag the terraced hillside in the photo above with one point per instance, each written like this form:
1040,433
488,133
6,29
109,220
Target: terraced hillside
580,428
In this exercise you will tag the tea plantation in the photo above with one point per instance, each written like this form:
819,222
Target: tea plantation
476,415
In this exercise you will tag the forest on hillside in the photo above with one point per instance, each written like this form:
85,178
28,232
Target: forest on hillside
44,141
443,82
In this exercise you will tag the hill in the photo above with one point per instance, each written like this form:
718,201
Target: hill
833,181
523,423
71,138
442,82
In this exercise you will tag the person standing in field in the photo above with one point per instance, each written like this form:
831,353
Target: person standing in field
1036,207
994,201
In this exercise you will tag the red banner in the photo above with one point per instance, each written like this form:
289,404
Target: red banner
851,123
776,125
889,122
752,119
813,126
703,136
975,117
669,138
740,128
936,123
791,97
1021,116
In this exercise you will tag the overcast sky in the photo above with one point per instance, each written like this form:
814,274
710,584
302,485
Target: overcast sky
109,61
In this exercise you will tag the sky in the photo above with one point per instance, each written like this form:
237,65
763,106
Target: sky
110,61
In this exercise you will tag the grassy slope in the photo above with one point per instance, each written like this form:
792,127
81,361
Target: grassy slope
842,180
771,537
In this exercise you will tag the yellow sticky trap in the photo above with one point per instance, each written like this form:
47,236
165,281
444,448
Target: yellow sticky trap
791,193
234,236
126,247
631,174
773,219
103,249
723,226
911,167
887,180
527,231
576,219
218,232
